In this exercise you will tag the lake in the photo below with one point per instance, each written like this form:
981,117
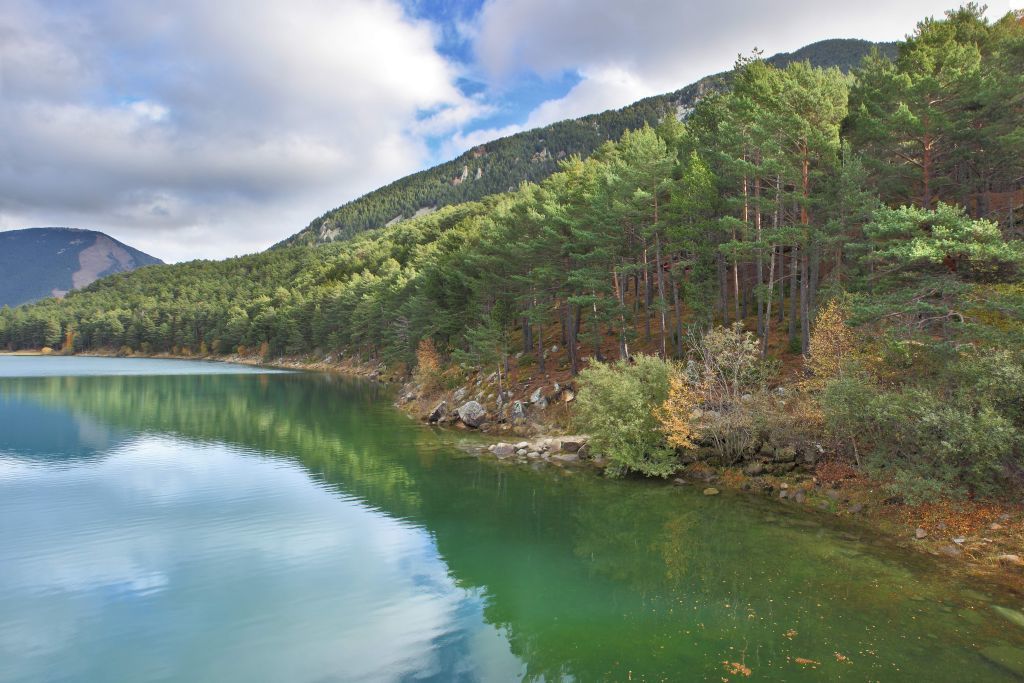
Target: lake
184,521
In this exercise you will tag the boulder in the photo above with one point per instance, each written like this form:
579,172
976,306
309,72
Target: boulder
567,457
517,412
920,533
537,395
438,413
541,404
1011,561
521,445
570,445
472,414
503,450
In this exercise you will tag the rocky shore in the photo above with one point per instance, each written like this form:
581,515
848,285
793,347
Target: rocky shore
980,538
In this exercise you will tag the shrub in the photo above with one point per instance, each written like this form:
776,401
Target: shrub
720,397
428,366
831,343
616,404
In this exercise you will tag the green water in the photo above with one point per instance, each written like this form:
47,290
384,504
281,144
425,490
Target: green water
174,521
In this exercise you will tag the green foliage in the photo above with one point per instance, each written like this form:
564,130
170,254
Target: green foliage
615,406
531,156
943,239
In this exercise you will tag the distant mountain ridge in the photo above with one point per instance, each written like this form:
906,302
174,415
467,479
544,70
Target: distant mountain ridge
532,155
36,263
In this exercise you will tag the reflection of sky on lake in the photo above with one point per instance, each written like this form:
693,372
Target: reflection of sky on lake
92,366
193,561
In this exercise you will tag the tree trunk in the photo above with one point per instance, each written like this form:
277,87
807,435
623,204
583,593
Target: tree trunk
648,296
527,336
759,264
661,291
768,306
723,288
620,294
794,256
679,319
541,365
570,328
805,321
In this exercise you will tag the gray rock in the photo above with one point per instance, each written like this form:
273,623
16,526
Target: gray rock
920,533
951,551
570,445
799,496
517,412
855,508
533,455
522,445
537,395
678,481
503,450
438,413
472,414
567,457
521,452
460,394
541,404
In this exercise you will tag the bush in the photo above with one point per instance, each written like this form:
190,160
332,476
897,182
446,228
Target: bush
615,406
428,367
921,443
720,398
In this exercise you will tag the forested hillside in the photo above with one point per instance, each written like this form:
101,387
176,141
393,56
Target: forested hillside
836,259
501,165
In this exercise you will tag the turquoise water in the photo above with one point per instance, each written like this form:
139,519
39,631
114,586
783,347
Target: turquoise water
177,521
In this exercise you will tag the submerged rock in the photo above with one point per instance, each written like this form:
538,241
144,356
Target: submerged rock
711,491
503,450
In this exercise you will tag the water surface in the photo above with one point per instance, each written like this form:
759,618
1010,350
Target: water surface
176,521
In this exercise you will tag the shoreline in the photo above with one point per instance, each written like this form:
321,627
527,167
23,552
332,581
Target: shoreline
979,540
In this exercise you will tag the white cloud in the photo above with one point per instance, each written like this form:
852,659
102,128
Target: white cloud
209,129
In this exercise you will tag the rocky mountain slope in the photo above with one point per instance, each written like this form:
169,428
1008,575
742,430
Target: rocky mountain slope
39,262
501,165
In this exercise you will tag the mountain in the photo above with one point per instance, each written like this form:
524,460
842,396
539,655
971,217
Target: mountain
532,155
39,262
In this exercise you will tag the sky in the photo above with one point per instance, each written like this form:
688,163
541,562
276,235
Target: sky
197,129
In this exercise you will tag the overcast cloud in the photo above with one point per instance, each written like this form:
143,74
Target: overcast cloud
206,129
